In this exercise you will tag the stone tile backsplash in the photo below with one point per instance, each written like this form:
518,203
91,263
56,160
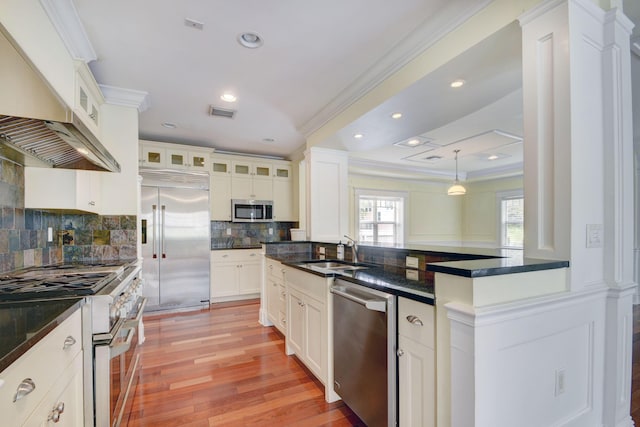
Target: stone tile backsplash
76,236
248,233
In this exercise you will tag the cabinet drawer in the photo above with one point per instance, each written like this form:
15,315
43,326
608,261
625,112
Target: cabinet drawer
43,363
274,269
410,316
240,255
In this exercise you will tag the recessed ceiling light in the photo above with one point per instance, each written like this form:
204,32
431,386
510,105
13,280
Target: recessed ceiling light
268,140
169,125
413,142
82,151
457,83
250,40
396,115
228,97
492,157
358,135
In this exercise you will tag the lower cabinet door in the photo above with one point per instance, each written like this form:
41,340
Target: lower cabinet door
224,280
63,405
295,337
416,382
314,342
249,278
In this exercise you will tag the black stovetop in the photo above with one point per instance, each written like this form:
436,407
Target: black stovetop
61,280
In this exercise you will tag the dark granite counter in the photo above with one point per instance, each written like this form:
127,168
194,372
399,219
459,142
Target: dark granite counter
494,266
257,246
410,283
24,323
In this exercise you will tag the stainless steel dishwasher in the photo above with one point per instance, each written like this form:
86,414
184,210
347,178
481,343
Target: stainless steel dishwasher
364,341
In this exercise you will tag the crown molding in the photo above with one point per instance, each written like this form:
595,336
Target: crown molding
406,50
64,17
125,97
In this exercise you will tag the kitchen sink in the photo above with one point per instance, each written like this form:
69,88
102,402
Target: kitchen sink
334,265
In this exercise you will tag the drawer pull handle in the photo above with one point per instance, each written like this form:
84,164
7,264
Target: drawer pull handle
400,352
68,342
56,412
414,320
26,386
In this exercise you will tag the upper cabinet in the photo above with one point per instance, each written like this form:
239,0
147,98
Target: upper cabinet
88,99
174,156
251,180
62,189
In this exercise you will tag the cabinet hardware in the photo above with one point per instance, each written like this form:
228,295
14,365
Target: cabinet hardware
68,342
415,320
56,412
92,203
400,352
26,386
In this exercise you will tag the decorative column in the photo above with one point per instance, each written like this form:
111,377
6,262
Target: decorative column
579,176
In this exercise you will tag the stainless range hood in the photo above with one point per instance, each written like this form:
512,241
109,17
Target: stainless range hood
36,128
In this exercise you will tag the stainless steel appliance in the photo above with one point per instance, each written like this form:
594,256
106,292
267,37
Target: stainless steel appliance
176,242
112,326
251,210
364,341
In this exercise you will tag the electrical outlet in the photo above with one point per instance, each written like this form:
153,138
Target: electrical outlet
411,262
270,231
594,235
49,234
560,382
321,250
228,232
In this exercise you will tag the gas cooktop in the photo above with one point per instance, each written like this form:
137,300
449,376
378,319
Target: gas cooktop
60,280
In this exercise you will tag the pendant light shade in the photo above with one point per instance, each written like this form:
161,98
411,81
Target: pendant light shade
456,189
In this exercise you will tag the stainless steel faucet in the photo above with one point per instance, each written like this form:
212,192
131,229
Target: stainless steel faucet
354,248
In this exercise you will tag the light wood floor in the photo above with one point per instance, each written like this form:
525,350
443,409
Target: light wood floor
220,367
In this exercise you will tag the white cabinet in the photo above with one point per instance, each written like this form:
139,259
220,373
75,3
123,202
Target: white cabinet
88,98
235,274
251,180
54,367
416,363
282,192
220,189
174,156
276,294
308,323
62,189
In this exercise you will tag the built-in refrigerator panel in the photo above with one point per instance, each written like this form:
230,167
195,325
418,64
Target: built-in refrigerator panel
176,241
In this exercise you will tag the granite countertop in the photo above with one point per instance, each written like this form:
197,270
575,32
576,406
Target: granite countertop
494,266
407,282
24,323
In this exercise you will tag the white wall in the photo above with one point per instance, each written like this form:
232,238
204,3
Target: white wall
481,211
433,217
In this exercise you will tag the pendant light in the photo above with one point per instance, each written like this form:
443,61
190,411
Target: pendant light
456,189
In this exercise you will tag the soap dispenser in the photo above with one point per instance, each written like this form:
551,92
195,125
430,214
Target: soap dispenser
340,250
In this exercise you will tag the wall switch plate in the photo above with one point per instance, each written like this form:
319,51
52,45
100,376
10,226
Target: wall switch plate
411,262
228,232
270,231
321,250
594,235
560,382
49,234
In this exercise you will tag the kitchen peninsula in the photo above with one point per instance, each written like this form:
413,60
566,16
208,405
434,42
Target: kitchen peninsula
482,298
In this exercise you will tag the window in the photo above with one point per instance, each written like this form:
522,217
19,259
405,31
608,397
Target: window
512,220
380,216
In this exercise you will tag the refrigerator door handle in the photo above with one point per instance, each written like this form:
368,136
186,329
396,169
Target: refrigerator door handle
154,210
164,254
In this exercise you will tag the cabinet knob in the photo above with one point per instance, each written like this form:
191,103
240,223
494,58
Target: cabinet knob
414,320
25,387
55,413
92,203
68,342
400,352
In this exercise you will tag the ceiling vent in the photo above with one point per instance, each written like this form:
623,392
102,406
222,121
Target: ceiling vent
221,112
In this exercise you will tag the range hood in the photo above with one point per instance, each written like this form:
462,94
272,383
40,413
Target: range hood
36,128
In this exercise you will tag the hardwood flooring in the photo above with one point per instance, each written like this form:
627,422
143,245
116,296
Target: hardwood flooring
220,367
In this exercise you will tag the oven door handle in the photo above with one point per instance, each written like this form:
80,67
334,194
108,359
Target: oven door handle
133,323
124,346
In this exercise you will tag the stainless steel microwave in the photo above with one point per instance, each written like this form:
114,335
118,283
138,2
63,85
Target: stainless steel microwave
251,210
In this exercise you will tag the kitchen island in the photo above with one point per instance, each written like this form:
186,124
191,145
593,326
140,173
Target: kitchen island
476,293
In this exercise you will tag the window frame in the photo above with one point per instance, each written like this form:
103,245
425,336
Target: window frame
500,197
400,226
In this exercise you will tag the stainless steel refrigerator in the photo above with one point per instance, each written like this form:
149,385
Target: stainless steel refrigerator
176,243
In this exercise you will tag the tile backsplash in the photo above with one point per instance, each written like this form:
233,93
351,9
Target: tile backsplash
76,236
225,234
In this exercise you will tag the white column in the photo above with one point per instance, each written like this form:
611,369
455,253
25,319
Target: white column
579,171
